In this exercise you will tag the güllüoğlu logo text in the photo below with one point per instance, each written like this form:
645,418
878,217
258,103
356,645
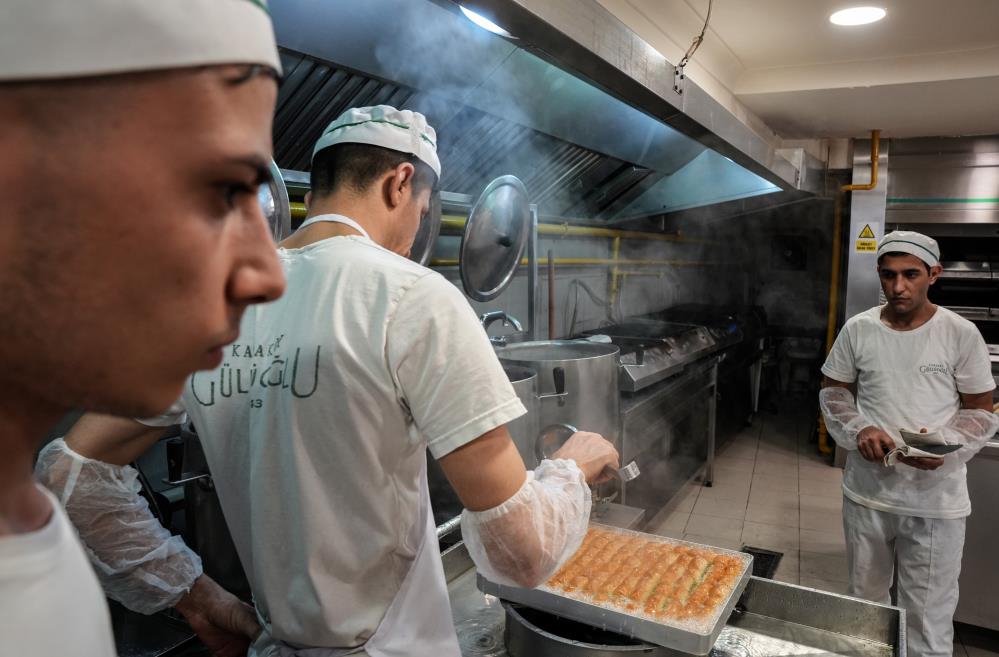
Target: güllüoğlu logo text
251,369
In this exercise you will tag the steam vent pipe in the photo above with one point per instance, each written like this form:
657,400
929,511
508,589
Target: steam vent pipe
837,244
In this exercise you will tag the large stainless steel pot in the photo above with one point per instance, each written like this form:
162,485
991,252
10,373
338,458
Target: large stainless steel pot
533,633
589,371
524,430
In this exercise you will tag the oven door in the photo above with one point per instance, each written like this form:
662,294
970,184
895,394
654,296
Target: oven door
971,289
665,430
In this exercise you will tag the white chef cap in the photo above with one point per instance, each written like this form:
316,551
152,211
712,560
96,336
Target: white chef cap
48,39
907,241
399,130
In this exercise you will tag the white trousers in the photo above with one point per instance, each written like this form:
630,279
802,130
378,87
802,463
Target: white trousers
929,563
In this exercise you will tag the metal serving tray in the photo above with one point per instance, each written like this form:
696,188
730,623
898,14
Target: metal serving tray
618,620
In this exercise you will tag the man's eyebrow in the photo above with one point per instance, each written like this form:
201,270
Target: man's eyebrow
250,71
261,167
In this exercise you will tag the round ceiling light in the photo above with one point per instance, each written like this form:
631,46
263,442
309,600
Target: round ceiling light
484,22
857,16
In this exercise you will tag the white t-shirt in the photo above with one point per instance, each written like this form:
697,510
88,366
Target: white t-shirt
909,380
50,601
316,426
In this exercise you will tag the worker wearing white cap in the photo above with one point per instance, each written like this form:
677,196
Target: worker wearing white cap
908,365
134,136
317,423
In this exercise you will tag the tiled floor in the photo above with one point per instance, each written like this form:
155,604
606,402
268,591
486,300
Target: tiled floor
773,490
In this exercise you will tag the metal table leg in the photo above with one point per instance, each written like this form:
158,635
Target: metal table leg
709,469
532,276
754,384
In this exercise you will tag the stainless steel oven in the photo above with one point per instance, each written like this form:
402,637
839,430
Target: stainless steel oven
979,603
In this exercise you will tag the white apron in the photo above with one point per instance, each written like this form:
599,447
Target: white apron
418,621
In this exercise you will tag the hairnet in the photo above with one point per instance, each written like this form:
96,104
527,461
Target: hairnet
49,39
908,241
382,125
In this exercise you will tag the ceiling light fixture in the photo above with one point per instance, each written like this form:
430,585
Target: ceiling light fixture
485,23
857,16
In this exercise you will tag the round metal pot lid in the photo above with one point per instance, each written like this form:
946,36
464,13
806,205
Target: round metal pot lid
554,351
494,238
426,234
273,199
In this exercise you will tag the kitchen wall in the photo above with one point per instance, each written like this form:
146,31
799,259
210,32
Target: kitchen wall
777,258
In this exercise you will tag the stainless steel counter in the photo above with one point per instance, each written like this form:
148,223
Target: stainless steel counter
979,576
772,618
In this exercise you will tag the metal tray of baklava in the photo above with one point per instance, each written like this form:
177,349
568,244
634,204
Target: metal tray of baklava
685,639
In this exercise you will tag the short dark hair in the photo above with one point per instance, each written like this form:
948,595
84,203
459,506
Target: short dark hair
895,254
358,166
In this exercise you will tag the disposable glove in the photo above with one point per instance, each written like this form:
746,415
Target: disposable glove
525,540
843,420
137,561
971,427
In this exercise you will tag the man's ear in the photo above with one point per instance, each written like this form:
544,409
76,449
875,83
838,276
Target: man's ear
935,273
308,200
400,180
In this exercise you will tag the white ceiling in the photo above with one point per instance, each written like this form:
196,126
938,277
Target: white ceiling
931,67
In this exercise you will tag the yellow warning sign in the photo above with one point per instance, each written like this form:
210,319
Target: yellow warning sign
867,246
867,233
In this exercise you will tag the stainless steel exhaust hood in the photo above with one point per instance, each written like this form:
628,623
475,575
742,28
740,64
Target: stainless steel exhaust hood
502,107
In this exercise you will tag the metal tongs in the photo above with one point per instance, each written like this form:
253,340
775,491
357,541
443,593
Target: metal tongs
627,473
552,437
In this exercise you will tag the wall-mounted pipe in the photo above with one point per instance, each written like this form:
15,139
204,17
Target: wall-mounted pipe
616,257
834,277
457,223
605,262
875,154
551,295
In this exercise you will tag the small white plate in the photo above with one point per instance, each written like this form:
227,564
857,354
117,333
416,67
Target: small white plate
917,439
939,450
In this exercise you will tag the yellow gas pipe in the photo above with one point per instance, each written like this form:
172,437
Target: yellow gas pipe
824,446
875,153
602,262
614,272
455,222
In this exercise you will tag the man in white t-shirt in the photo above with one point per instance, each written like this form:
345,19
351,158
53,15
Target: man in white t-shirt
134,135
913,366
316,425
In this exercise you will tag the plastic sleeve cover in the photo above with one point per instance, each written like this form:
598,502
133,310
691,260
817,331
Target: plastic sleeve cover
843,420
137,561
525,540
971,427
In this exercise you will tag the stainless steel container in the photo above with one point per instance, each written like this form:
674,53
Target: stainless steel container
533,633
692,639
771,618
590,373
979,581
524,430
